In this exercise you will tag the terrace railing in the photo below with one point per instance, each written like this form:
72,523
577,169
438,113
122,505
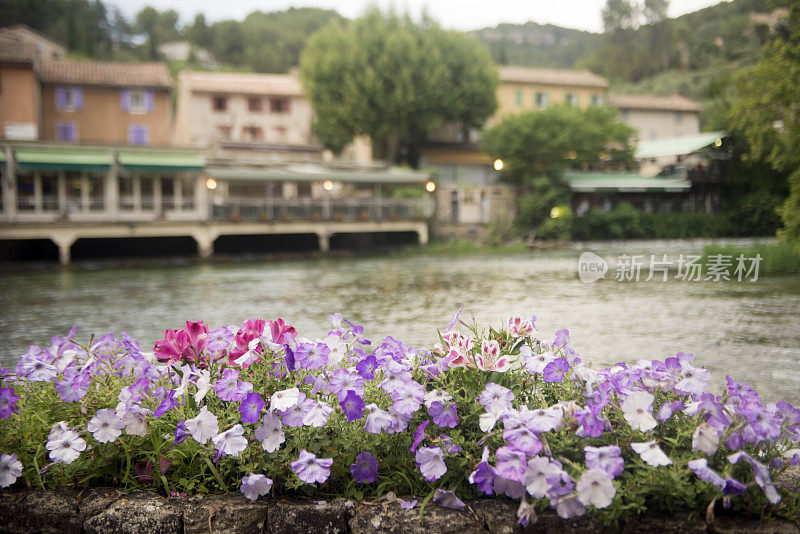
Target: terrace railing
241,209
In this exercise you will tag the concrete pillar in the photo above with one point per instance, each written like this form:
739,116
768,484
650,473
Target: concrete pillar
111,192
64,243
37,192
205,242
62,194
9,186
324,241
422,232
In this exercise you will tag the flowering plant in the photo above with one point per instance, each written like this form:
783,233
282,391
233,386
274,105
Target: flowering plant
259,408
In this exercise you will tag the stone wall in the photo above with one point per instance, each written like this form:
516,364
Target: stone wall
109,510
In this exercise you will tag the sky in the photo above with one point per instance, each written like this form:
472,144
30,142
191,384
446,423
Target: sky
456,14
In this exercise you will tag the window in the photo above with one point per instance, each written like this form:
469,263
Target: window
69,98
571,99
49,184
598,100
280,134
252,133
519,98
541,100
678,116
255,104
279,105
138,134
137,101
224,132
219,103
66,131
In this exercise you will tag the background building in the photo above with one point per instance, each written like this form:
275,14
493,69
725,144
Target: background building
658,117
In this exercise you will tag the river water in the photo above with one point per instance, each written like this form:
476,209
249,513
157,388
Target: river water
750,330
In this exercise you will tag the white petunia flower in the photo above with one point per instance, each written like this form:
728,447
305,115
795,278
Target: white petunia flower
596,488
705,439
651,453
488,420
10,469
105,426
204,426
57,430
270,432
203,385
284,399
135,421
232,441
539,469
66,448
317,416
637,409
254,486
437,395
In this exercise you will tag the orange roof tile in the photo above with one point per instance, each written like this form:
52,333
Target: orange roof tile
653,102
581,78
116,74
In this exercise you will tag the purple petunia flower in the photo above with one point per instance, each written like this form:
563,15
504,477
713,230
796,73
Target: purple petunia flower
430,461
562,338
254,486
444,415
344,381
522,439
311,469
294,415
181,433
495,398
554,371
408,397
448,499
251,408
311,356
606,458
700,468
511,463
168,402
419,434
366,367
365,469
353,406
733,487
8,402
229,388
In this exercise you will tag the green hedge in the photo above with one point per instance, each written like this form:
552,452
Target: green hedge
626,222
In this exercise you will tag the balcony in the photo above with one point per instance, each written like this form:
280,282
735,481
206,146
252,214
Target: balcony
306,209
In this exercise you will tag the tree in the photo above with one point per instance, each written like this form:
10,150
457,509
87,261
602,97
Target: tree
655,10
619,15
199,32
384,76
538,146
766,112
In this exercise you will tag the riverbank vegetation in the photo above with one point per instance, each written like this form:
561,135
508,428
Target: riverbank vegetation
776,258
498,411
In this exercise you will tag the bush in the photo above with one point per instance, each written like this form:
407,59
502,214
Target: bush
486,411
556,228
626,222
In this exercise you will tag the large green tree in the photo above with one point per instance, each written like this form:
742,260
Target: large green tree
767,111
385,76
538,146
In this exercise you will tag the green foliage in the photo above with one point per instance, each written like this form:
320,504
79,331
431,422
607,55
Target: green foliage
385,76
545,143
765,111
626,222
776,258
556,228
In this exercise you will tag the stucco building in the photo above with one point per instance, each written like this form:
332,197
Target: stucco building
105,102
658,117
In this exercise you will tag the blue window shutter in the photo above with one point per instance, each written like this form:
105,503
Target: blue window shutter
61,97
60,135
73,131
145,137
149,100
77,98
124,99
138,135
131,135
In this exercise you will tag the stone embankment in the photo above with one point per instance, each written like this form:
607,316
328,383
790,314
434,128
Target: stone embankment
110,510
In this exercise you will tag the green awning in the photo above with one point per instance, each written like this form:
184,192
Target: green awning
69,160
587,182
313,173
161,161
677,146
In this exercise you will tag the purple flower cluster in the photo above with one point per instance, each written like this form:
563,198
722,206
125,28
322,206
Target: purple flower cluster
212,386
